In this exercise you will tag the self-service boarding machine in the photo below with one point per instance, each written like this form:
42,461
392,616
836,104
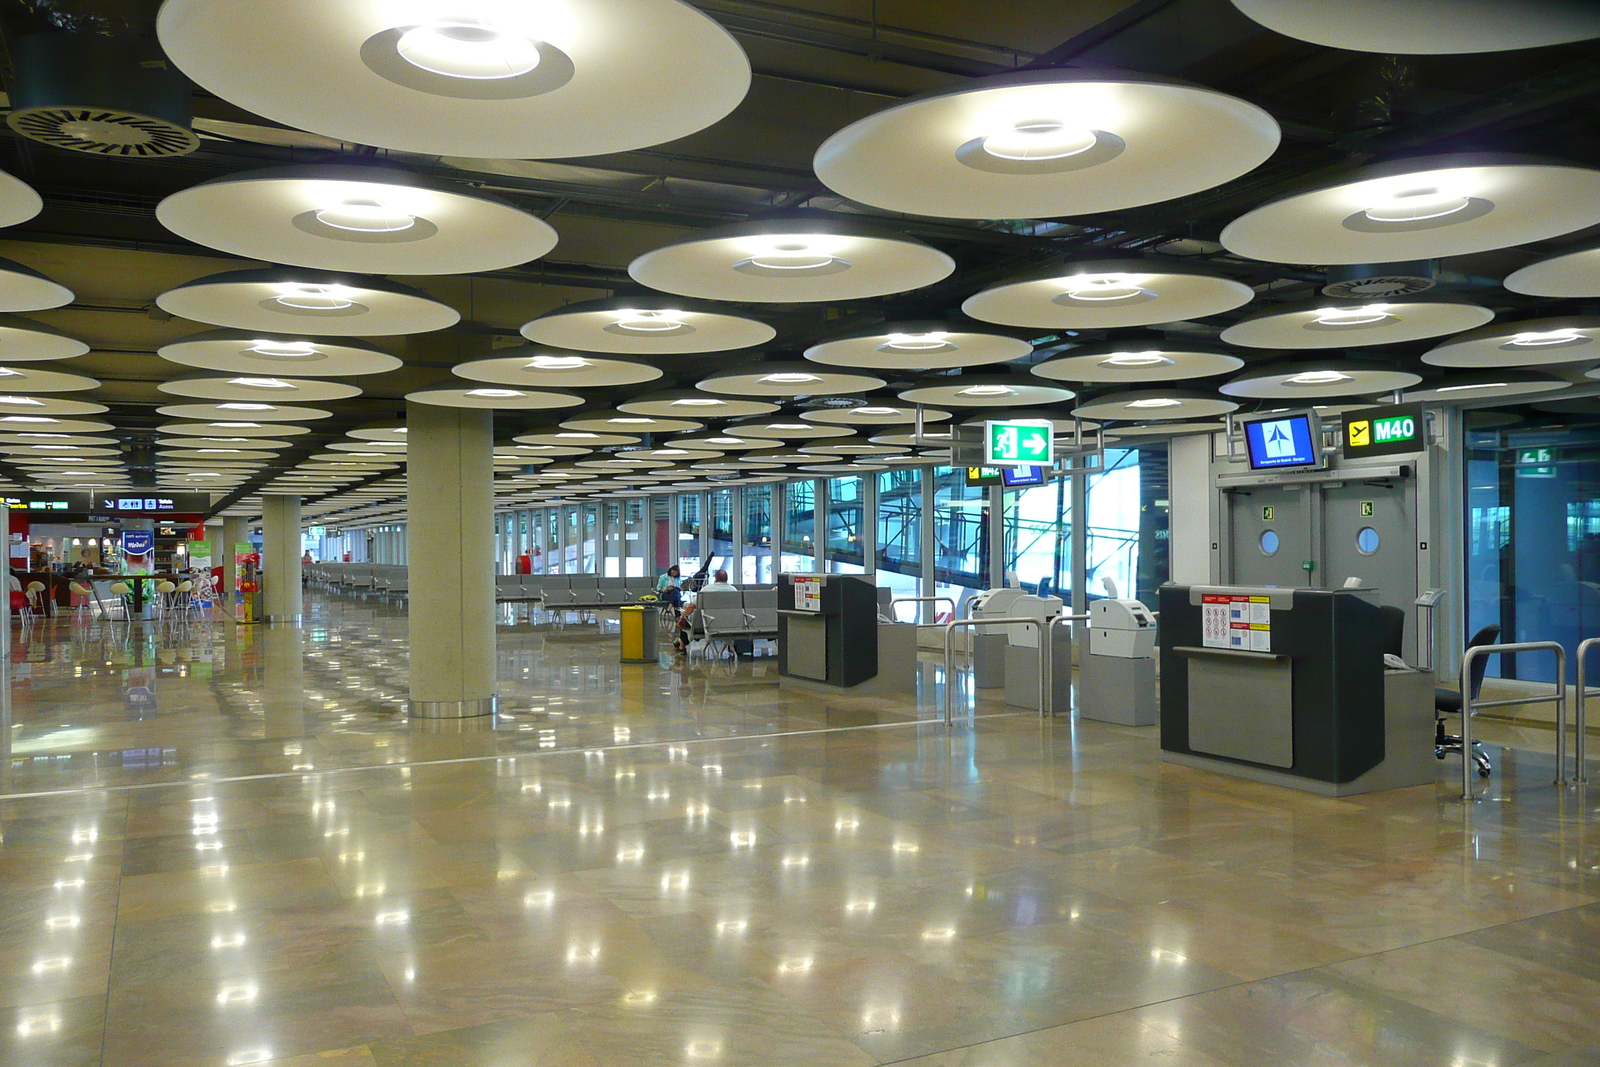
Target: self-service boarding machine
989,642
1022,652
1117,679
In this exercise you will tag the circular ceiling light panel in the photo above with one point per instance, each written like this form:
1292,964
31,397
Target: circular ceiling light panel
392,431
843,468
540,368
874,413
44,437
1137,361
719,442
13,422
1428,27
255,443
1107,294
278,355
786,427
360,219
788,260
28,380
622,423
496,80
854,448
279,300
1570,275
1529,343
215,455
1487,385
18,200
918,346
787,379
974,390
487,396
1046,143
263,388
679,403
24,341
646,325
1345,324
231,428
1314,381
1421,209
25,289
243,411
34,407
1155,405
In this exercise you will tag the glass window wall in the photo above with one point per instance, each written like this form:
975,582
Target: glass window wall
846,513
722,528
612,513
899,541
757,556
689,506
960,535
799,526
634,538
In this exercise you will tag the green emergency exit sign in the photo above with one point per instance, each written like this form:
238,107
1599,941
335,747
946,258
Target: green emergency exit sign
1385,431
1029,442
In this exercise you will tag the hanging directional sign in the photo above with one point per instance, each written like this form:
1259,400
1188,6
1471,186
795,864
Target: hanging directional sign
1018,443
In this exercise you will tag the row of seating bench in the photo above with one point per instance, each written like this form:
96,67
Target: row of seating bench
572,592
360,579
723,617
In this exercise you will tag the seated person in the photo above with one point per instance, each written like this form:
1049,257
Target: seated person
669,587
718,584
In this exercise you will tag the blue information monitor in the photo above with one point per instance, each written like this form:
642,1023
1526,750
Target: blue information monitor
1293,439
1017,477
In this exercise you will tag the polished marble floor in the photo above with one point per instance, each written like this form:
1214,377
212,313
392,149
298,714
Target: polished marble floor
226,846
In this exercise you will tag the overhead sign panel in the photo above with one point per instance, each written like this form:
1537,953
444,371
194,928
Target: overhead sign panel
1019,443
1387,431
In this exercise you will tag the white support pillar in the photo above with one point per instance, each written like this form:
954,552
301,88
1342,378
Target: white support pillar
280,557
450,470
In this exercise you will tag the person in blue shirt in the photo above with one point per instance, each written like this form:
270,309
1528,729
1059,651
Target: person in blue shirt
668,587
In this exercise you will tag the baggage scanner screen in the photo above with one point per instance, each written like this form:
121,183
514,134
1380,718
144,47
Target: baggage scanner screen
1286,442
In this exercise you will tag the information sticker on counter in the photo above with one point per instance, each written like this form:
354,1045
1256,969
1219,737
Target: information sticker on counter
808,594
1239,622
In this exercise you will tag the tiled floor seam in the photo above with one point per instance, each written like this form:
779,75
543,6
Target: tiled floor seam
456,760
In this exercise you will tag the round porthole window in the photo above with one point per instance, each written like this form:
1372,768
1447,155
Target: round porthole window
1269,542
1366,540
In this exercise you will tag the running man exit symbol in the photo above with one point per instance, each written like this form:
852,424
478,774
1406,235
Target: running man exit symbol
1266,513
1366,509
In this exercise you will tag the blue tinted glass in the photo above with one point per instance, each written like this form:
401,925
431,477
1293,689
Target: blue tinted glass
1269,542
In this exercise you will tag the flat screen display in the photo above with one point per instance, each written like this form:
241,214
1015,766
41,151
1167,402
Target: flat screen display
1017,477
1293,439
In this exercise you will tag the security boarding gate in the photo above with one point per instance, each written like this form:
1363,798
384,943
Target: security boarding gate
1314,529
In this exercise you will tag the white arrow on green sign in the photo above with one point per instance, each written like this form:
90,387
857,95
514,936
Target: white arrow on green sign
1019,443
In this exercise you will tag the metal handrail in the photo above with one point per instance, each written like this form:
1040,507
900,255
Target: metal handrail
949,666
1581,713
1048,639
1469,705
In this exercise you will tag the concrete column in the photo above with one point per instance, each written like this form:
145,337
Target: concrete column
449,467
280,557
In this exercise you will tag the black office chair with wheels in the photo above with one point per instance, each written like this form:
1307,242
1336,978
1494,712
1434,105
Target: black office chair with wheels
1449,702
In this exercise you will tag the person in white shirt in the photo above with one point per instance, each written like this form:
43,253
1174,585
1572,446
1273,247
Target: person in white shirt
719,584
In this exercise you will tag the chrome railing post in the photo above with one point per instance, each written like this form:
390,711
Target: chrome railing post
1468,704
1581,712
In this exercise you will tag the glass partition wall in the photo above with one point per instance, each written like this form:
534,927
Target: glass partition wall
756,558
799,525
846,546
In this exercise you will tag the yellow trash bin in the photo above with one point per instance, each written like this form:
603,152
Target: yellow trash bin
639,634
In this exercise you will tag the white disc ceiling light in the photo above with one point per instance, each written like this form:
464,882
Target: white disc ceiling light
1137,361
1487,385
1569,275
681,403
260,389
23,340
787,379
281,300
16,422
1428,27
873,412
278,355
231,427
791,260
976,390
538,368
245,411
29,380
360,219
1421,209
1155,405
1328,323
502,79
1107,294
19,409
1530,343
1047,143
621,423
500,397
646,325
787,427
18,200
25,289
918,346
1315,381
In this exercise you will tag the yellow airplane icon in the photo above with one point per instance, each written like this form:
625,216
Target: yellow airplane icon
1360,433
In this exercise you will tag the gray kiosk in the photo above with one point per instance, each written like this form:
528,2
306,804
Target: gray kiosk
1289,687
828,629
